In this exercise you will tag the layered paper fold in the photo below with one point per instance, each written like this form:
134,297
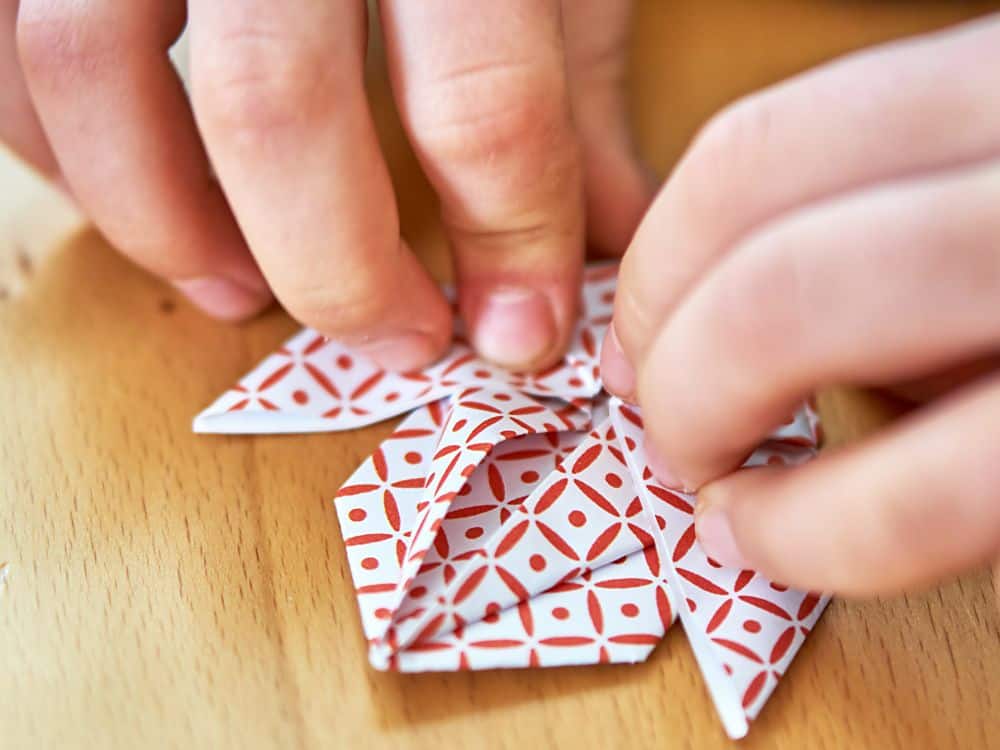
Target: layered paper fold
512,521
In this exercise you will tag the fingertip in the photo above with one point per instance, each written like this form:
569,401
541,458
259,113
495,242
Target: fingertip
514,326
413,326
223,298
714,529
724,516
661,468
404,351
695,420
617,373
762,518
668,443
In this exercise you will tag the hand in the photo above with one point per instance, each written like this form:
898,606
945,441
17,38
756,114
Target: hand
842,227
515,109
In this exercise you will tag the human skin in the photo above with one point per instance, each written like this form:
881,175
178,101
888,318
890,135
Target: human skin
269,180
838,228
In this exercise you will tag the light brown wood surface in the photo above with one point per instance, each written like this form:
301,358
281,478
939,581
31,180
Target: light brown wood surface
168,590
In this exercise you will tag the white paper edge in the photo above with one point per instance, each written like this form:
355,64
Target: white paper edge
216,421
720,686
283,423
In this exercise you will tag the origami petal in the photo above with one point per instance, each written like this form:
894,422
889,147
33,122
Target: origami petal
512,521
580,517
616,613
479,419
613,615
312,384
744,629
492,495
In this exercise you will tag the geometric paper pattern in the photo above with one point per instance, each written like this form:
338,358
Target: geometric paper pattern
512,521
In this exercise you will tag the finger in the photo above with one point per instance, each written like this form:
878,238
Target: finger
482,91
117,117
914,504
617,185
279,95
929,388
19,125
891,283
871,117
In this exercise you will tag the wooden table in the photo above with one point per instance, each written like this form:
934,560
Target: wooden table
168,590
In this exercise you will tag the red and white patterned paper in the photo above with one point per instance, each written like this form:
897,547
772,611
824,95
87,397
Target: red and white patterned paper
744,629
312,384
512,521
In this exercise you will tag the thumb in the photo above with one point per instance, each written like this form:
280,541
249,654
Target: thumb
916,503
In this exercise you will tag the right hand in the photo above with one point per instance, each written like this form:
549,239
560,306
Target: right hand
842,227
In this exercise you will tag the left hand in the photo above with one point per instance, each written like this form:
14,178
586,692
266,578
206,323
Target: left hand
270,177
842,227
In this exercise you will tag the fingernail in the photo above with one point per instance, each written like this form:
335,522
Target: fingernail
617,372
223,298
716,536
515,327
402,352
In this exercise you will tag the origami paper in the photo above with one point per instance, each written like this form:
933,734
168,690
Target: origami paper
512,521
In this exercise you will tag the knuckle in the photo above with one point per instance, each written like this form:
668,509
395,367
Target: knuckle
723,156
740,128
500,148
255,83
490,113
59,43
635,319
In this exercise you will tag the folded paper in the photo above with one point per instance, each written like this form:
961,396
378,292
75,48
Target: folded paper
512,521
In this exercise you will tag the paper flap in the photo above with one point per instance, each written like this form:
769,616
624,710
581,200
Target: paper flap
744,629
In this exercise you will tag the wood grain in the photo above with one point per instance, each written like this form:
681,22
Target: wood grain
167,590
